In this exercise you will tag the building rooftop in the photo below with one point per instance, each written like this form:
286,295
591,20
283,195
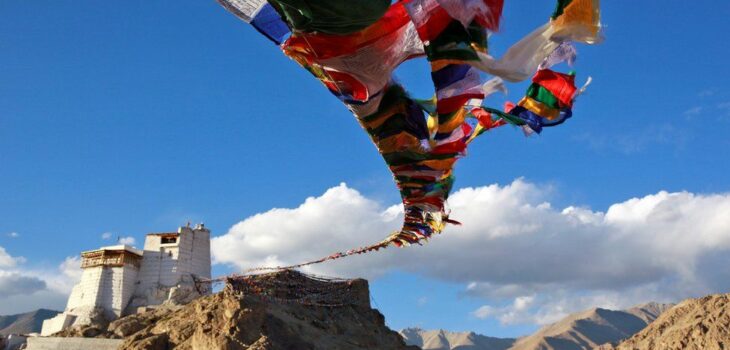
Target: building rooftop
117,248
163,234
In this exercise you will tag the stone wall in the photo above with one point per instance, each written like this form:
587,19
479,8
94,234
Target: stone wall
159,264
49,343
107,287
167,266
119,284
202,260
195,253
86,292
57,324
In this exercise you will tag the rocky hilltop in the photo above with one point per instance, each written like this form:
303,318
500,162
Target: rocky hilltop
694,324
251,315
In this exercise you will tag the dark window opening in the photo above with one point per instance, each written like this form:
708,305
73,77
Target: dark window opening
168,240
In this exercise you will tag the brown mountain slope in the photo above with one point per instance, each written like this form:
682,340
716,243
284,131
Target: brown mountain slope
694,324
29,322
444,340
591,328
649,311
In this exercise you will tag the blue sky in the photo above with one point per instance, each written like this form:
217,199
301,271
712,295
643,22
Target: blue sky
137,116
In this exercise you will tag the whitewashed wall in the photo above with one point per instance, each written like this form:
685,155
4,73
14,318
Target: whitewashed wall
163,265
86,292
103,286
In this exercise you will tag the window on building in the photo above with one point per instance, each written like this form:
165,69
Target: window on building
168,240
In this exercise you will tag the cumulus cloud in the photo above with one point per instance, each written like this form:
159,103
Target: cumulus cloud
8,261
23,288
106,235
127,240
13,234
529,261
65,277
517,312
43,299
338,220
12,283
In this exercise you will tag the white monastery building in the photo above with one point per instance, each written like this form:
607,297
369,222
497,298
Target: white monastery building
121,280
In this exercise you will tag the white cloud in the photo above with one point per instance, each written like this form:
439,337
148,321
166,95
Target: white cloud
127,240
13,235
517,312
23,289
724,108
13,283
70,274
9,261
639,140
707,92
530,262
43,299
692,112
338,220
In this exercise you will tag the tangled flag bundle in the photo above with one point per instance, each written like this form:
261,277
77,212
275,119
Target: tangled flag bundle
353,46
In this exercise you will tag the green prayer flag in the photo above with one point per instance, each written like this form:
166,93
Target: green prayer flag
543,95
330,16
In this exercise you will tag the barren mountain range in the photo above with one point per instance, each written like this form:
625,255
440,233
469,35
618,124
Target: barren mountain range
583,330
444,340
29,322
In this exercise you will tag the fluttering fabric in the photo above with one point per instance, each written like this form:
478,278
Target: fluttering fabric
353,47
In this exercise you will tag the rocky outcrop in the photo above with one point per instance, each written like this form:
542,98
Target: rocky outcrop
183,292
283,319
694,324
